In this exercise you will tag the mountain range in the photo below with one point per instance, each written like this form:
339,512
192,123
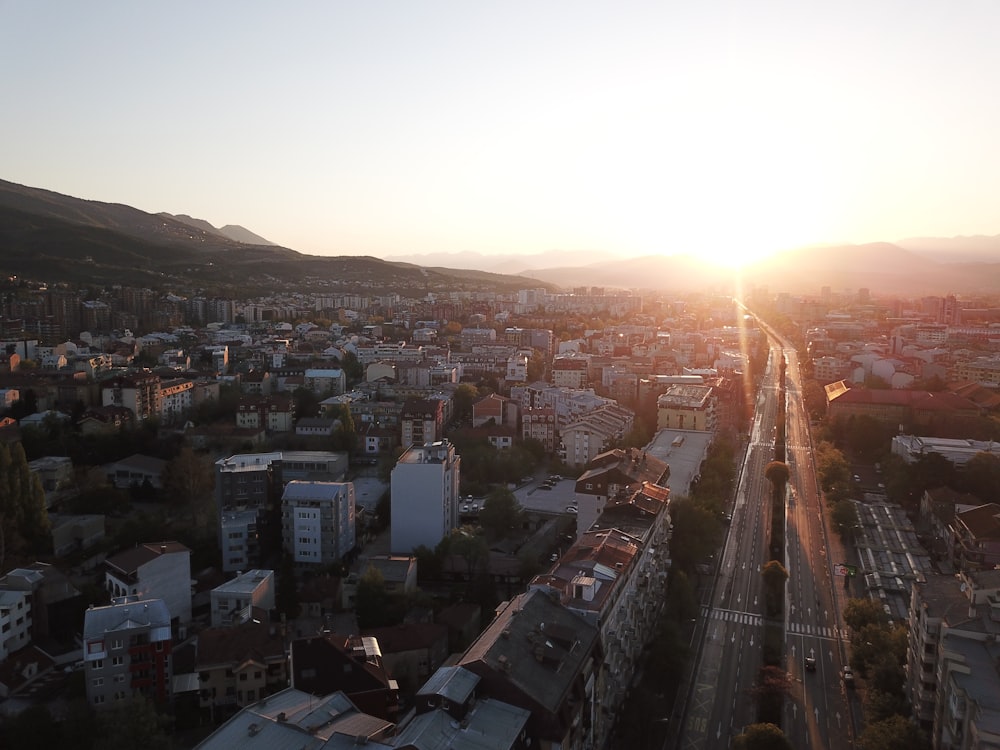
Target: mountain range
57,238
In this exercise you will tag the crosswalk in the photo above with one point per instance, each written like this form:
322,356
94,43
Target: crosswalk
753,619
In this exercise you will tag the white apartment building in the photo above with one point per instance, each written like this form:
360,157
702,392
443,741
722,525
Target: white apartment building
176,398
424,496
317,521
160,570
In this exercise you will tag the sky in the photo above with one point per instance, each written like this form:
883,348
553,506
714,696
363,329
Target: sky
727,129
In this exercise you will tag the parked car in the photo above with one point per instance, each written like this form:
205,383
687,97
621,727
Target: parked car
545,487
848,677
571,509
810,663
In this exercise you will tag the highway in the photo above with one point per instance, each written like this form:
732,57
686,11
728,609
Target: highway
729,653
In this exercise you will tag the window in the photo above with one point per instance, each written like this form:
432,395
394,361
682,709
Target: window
98,699
98,664
119,678
117,661
117,643
243,676
97,682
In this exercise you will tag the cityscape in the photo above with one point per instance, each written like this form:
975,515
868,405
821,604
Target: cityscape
541,517
535,376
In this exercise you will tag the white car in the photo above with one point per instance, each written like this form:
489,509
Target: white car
571,509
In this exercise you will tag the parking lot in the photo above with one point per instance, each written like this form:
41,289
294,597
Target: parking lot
557,498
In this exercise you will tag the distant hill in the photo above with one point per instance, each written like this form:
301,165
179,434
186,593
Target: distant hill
57,238
974,249
230,231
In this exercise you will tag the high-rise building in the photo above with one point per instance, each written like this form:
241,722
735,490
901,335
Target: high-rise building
425,495
317,521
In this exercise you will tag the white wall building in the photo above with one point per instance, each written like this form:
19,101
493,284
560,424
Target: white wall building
161,570
233,601
317,521
425,495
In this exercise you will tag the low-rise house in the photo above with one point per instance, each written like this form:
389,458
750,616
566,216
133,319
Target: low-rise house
328,663
316,427
136,471
74,533
233,602
411,652
239,665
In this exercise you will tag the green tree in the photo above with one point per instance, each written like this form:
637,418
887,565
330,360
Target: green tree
772,685
286,593
464,397
371,602
844,516
762,737
131,725
777,473
894,733
981,475
24,520
861,612
501,513
867,437
471,547
188,482
32,728
774,575
696,533
306,402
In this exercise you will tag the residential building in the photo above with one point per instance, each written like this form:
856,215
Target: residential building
541,657
594,433
127,651
292,718
911,447
140,393
421,421
898,408
328,663
160,570
686,407
424,489
615,476
135,471
317,521
233,602
411,651
176,398
448,713
239,665
975,538
540,424
494,410
570,372
326,381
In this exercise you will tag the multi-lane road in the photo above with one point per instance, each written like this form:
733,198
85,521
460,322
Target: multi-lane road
720,703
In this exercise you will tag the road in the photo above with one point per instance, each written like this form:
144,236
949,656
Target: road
729,653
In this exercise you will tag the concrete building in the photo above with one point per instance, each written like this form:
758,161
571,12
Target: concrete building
686,407
140,393
233,602
160,570
127,651
421,421
424,495
317,521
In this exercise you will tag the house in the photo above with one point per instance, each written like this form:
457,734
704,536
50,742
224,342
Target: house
328,663
316,427
241,664
615,475
73,533
494,410
159,570
233,602
135,471
411,652
975,535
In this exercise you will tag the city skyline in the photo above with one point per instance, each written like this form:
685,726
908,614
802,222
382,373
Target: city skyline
722,130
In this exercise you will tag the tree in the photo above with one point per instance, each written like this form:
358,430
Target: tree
306,402
861,612
696,533
371,602
867,437
32,728
777,473
188,481
465,395
471,547
133,724
772,685
24,520
844,516
894,733
774,575
286,593
981,475
501,513
762,737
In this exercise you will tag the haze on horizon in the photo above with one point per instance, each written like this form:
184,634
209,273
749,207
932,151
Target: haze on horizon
722,129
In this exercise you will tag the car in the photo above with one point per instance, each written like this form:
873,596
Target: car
848,677
810,663
571,509
554,478
475,507
727,519
546,487
857,478
465,507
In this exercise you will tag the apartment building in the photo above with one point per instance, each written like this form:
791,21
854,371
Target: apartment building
318,521
127,651
425,495
159,570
